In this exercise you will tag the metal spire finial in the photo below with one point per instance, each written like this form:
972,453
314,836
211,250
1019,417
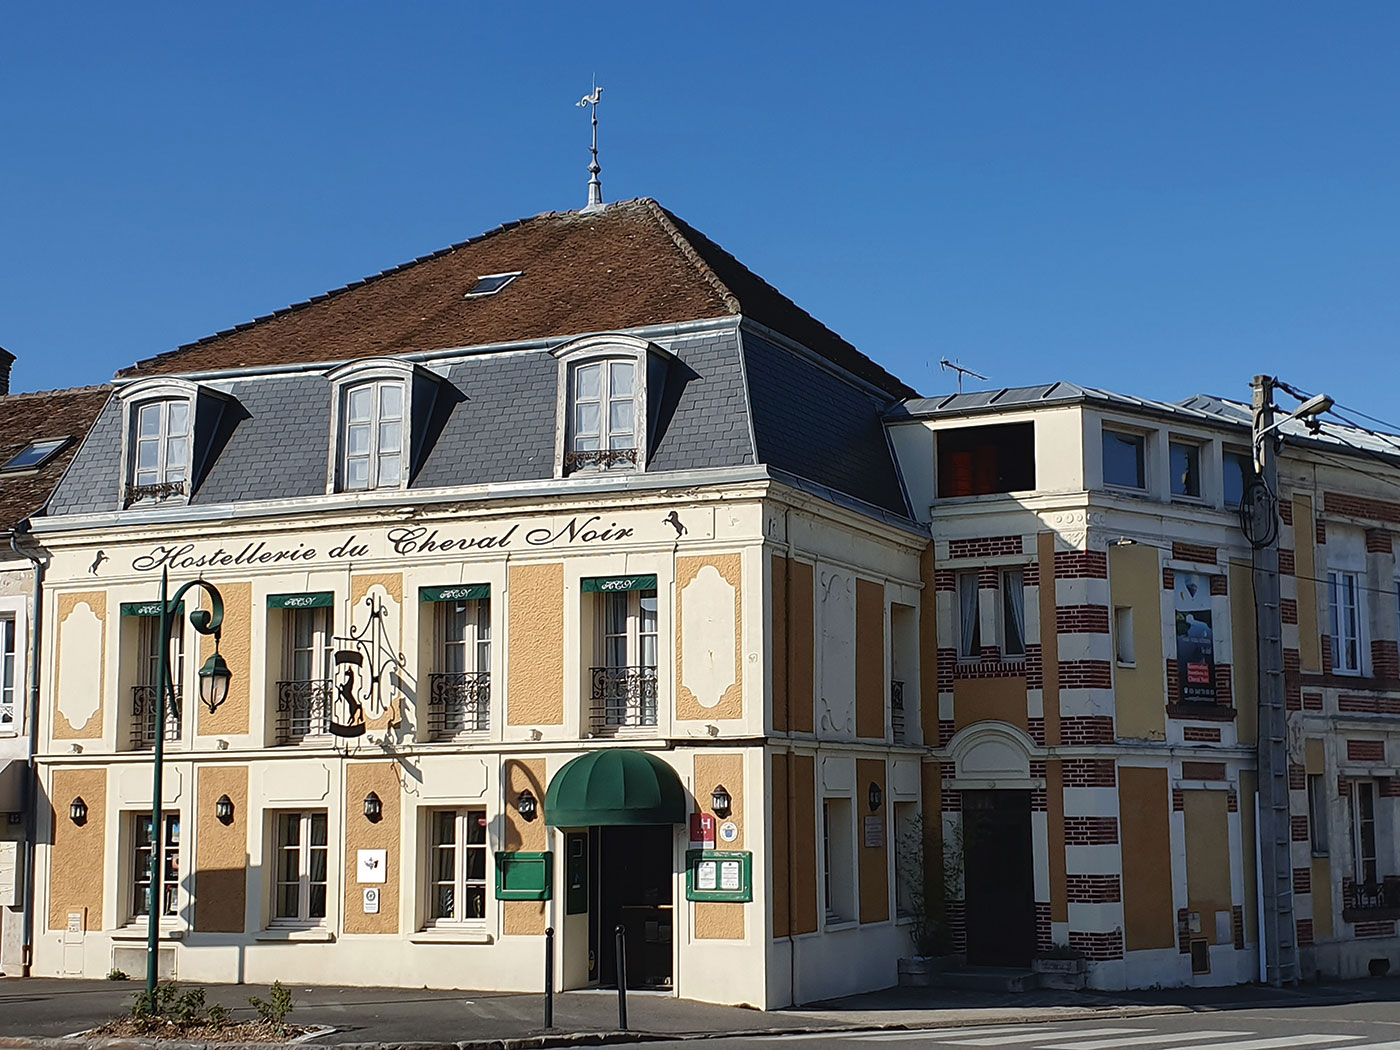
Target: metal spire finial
595,188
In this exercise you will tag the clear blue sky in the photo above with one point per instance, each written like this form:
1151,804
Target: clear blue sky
1159,198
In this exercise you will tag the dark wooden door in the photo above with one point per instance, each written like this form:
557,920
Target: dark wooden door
998,860
634,891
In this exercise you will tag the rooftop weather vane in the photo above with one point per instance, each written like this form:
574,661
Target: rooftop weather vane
953,366
595,188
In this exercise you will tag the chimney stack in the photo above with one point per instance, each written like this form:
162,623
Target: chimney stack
6,360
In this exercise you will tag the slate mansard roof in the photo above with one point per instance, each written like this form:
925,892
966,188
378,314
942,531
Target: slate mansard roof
760,383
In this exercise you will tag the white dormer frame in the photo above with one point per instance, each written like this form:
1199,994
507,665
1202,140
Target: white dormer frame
197,438
648,382
419,394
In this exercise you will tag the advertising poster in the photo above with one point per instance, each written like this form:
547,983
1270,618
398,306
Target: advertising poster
1195,638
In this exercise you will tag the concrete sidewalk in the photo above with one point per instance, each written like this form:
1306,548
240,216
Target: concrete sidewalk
42,1007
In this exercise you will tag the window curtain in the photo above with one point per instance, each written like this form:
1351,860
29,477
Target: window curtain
970,638
1013,585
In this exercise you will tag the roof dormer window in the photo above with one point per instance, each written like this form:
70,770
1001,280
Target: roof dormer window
170,425
373,442
379,417
609,395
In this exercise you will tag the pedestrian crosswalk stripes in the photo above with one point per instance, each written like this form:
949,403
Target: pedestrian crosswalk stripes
1057,1037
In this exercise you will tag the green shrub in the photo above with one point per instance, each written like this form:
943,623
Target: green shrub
218,1016
117,975
277,1006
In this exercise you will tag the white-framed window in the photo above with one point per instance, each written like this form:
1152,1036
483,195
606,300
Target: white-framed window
460,688
457,867
838,874
146,691
9,637
142,842
1363,831
603,414
1238,468
1125,651
160,449
1013,613
35,454
300,886
372,435
305,693
1343,589
969,616
1317,813
1186,469
625,687
1124,460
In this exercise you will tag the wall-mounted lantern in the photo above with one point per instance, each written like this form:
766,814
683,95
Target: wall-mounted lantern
374,809
526,805
77,812
223,809
720,801
875,795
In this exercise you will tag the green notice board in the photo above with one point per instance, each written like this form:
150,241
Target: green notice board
719,875
524,876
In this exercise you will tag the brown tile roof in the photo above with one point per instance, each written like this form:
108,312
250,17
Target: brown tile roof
632,264
34,417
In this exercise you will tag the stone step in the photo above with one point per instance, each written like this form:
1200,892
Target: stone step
986,979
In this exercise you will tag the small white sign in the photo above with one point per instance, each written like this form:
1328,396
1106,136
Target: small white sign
705,875
728,831
729,874
371,900
874,832
75,920
373,865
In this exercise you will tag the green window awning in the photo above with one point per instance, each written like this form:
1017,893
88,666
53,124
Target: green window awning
461,592
614,785
148,609
303,600
598,584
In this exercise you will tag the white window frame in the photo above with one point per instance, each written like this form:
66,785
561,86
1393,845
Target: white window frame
462,820
418,396
51,447
839,869
649,361
1358,826
969,641
1006,607
474,644
1136,435
138,872
1200,450
148,664
1336,578
634,638
323,642
1124,643
1317,813
13,662
163,391
274,850
606,441
375,451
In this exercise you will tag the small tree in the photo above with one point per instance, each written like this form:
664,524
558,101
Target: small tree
929,869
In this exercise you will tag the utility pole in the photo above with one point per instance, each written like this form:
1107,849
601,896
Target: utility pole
1276,920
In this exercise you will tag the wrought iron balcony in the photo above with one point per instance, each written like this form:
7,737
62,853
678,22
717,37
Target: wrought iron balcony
145,709
623,697
303,709
599,458
1366,901
897,711
458,702
156,490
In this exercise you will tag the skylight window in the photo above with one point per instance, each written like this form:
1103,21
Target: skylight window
34,454
490,284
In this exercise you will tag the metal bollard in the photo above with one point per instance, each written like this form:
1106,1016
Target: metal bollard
622,978
549,978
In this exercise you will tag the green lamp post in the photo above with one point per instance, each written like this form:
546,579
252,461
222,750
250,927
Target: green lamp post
214,678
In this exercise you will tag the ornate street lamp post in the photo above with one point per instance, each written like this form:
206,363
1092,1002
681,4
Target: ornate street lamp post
214,678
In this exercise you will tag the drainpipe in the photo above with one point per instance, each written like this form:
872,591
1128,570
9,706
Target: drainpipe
791,762
31,781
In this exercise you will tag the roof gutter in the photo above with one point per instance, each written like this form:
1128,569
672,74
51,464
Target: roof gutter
31,780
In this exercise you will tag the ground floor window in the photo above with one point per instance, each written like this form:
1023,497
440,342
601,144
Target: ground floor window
299,893
457,863
1363,826
838,875
142,840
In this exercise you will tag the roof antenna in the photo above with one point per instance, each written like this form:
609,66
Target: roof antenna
953,366
595,188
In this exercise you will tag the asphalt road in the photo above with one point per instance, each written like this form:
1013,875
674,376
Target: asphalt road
1353,1026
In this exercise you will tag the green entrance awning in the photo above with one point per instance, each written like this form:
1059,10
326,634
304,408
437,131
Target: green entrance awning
461,592
598,584
148,609
304,600
612,786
